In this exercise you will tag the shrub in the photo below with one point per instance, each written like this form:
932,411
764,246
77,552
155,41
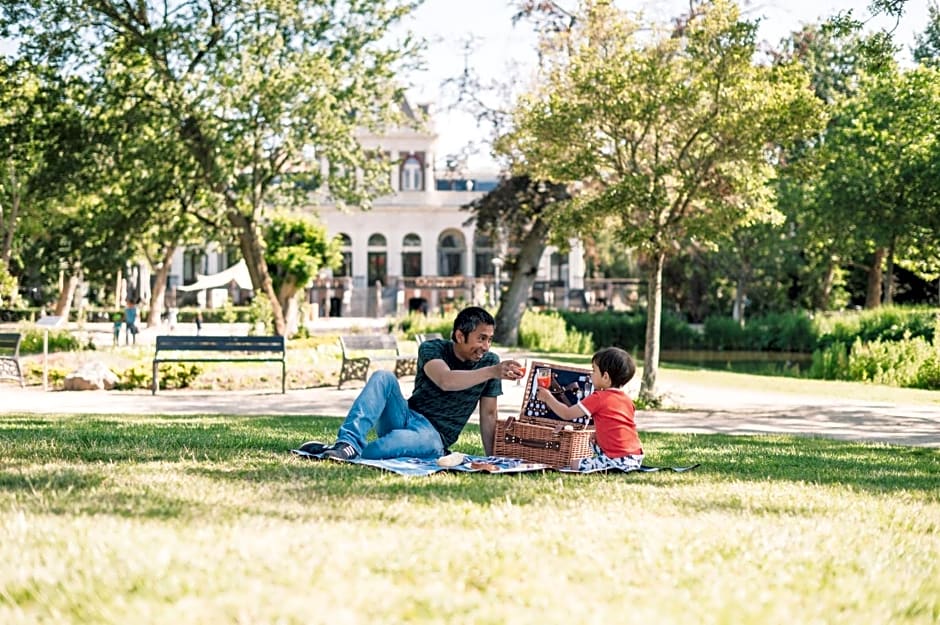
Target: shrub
887,323
59,341
909,362
261,313
928,374
723,333
549,332
830,363
628,330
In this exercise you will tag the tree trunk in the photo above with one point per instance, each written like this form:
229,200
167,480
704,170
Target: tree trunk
159,287
64,304
8,222
253,252
516,301
889,277
287,297
654,313
875,277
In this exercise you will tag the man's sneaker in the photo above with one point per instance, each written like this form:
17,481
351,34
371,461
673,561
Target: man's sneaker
313,447
340,451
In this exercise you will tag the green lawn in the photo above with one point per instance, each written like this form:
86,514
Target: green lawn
208,519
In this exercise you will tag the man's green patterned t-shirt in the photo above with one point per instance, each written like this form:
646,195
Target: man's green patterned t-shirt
449,411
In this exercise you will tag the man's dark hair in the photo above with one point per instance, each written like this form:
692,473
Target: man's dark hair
469,318
616,363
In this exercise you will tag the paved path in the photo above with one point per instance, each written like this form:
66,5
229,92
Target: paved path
703,410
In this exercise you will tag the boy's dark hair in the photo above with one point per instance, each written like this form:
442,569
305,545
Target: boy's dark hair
469,318
616,363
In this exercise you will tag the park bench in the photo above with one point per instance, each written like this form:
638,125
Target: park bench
361,350
10,357
172,348
429,336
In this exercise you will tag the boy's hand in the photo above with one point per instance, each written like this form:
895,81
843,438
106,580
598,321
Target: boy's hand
543,394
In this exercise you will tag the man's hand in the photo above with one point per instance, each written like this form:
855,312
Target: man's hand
510,370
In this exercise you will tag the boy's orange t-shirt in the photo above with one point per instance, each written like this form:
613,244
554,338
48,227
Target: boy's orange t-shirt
613,413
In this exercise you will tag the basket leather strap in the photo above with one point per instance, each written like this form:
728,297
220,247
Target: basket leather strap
531,442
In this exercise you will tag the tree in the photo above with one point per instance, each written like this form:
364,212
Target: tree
43,143
668,135
296,249
516,210
256,89
879,175
926,50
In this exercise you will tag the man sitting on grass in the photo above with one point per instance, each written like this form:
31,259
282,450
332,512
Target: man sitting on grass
453,377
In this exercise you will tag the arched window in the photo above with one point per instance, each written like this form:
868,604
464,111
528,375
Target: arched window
377,254
412,173
411,256
450,252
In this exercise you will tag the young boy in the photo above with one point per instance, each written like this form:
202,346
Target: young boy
616,444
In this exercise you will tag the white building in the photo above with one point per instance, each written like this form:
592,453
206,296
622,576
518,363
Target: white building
412,250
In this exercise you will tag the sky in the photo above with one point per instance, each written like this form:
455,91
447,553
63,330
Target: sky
500,49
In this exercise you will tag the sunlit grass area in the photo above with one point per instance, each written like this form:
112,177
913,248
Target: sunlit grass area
209,519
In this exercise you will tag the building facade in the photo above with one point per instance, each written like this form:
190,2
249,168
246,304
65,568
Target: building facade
414,250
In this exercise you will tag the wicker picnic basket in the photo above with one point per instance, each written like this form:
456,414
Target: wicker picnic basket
537,434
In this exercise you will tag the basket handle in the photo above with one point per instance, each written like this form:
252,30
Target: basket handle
531,442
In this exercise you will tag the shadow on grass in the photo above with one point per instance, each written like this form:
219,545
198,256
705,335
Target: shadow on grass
256,449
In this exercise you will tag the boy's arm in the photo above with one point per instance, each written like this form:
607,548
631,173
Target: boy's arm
567,413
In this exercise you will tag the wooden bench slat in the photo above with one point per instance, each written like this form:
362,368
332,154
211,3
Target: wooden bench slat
228,349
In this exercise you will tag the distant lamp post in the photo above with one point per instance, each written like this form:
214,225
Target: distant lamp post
497,270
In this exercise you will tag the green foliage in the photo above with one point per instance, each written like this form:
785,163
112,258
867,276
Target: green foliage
886,323
32,373
548,332
9,287
907,363
138,376
783,332
59,341
296,249
830,362
260,312
175,375
229,314
628,330
415,323
178,375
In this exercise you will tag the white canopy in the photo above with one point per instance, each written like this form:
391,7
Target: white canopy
237,272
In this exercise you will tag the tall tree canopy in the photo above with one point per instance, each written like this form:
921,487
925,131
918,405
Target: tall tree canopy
254,90
670,134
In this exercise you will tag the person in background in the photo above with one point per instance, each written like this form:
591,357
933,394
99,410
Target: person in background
453,377
130,320
616,442
118,321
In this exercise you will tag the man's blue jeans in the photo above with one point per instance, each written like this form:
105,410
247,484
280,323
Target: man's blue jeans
400,430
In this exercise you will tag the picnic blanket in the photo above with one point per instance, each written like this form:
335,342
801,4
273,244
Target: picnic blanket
473,464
